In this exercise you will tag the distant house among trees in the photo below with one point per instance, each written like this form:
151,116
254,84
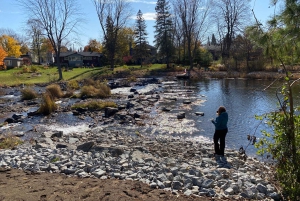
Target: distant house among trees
12,62
78,59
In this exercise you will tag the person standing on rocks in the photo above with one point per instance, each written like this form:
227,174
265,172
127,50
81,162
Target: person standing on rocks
220,130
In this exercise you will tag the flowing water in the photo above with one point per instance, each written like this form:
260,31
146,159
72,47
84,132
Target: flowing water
242,98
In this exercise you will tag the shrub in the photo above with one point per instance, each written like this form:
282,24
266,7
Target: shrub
47,105
25,69
9,142
54,90
28,94
94,105
73,84
34,69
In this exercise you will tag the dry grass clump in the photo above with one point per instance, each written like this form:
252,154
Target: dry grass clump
54,90
94,105
28,94
48,104
70,94
96,90
9,142
73,84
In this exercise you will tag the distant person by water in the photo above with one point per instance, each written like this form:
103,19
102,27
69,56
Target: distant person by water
220,130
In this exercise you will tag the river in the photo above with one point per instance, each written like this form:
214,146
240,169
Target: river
243,100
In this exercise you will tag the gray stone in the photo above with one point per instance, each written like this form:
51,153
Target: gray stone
275,196
153,185
86,146
98,173
229,191
188,192
176,185
261,188
207,183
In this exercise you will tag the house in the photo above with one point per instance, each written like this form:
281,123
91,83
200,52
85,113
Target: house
12,62
77,59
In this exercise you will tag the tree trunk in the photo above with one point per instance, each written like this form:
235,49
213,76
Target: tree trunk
60,76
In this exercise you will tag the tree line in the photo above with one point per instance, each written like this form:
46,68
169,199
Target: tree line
181,33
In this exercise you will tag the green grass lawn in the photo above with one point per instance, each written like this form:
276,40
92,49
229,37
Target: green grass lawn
19,76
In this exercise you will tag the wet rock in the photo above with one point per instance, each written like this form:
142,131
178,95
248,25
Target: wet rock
181,115
132,90
86,146
9,120
166,109
199,113
61,146
187,102
109,111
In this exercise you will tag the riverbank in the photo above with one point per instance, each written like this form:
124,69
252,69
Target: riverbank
178,166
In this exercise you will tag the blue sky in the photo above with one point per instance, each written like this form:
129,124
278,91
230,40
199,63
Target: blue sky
12,17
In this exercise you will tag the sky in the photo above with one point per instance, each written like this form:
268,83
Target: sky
13,17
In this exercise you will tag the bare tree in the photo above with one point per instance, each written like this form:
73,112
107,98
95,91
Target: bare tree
35,31
231,17
113,16
193,15
58,19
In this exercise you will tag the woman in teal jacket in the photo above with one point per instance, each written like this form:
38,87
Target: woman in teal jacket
220,130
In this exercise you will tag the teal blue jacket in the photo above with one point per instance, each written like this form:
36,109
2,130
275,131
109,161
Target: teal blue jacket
221,121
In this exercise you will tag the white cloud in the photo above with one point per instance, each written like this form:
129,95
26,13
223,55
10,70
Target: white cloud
146,16
141,1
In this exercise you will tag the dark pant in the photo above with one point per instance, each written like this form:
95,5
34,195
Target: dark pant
220,135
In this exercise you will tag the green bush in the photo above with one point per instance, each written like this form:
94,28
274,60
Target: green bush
25,69
54,90
47,105
28,94
34,69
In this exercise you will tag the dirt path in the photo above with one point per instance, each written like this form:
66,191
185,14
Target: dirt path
17,185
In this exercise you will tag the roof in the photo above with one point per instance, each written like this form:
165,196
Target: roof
12,58
85,54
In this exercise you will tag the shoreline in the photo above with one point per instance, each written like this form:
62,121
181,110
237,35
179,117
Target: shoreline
166,163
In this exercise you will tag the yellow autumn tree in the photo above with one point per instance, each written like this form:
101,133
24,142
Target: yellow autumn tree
10,45
3,54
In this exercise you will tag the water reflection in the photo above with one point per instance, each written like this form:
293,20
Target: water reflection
243,99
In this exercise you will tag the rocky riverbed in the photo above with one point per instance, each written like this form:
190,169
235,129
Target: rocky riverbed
131,143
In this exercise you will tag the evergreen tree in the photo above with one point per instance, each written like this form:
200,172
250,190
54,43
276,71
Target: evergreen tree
141,51
164,30
213,40
110,40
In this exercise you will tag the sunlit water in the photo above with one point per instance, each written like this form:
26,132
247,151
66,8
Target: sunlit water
243,100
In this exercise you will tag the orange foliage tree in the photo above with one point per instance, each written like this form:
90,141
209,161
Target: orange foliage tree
10,45
3,54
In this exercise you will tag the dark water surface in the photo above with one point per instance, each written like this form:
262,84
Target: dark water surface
243,100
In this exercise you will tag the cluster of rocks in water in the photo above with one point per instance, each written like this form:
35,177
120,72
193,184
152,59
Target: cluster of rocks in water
165,163
168,163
